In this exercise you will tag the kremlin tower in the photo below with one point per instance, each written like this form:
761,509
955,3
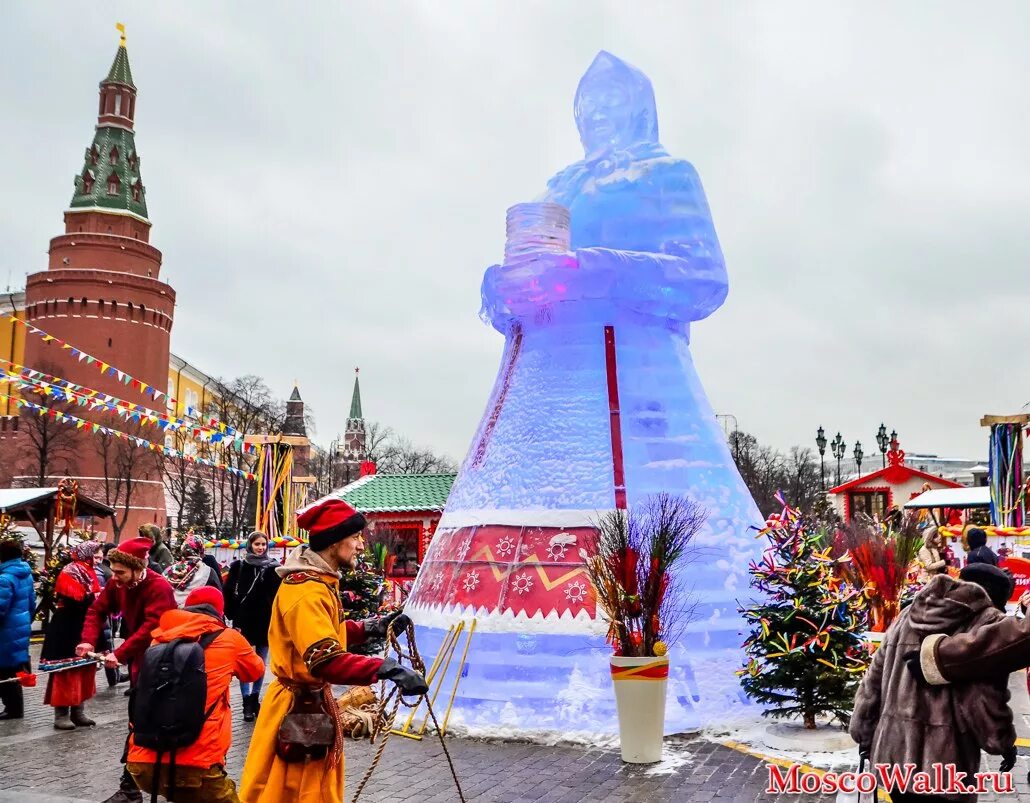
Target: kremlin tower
102,294
349,460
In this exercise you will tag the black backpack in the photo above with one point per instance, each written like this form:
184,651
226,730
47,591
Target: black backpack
167,709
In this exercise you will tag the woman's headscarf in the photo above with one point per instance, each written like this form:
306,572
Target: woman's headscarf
78,579
85,551
180,573
260,561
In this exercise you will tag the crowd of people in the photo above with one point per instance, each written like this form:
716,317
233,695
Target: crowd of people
175,617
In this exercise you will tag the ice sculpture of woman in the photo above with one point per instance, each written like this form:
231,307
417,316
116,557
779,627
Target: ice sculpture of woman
596,405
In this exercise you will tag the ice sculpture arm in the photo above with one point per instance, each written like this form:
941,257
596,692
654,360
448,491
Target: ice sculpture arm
667,285
679,286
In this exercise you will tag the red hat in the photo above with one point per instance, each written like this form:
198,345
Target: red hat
131,553
206,595
330,521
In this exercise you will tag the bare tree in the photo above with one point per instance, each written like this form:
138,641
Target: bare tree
395,454
378,438
403,457
802,480
766,471
49,445
179,474
248,406
123,464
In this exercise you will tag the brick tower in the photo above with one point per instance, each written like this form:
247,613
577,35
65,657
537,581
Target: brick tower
101,293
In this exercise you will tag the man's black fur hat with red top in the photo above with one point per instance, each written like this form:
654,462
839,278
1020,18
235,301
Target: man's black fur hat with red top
330,521
132,553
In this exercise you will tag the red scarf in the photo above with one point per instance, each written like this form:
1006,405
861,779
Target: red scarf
76,580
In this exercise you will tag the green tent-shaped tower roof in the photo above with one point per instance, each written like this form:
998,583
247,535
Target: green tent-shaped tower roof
110,176
355,400
120,73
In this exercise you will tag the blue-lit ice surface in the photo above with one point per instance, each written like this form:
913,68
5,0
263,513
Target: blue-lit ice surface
645,261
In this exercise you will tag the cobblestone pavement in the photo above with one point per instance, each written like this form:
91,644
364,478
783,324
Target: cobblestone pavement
41,765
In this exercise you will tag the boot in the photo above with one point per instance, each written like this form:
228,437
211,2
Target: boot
112,677
126,796
62,721
79,718
127,792
249,714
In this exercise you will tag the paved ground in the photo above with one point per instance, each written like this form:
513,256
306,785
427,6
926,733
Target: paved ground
40,765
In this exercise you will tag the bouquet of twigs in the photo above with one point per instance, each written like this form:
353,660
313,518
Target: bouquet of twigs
633,561
879,564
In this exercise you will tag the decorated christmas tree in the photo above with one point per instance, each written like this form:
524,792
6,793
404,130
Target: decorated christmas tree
361,591
805,654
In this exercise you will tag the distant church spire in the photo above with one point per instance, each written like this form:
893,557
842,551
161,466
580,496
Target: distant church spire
355,400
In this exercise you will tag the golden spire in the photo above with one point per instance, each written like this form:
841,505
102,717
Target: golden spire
120,27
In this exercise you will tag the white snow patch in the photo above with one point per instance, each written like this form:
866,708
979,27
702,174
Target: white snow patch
546,737
751,733
671,763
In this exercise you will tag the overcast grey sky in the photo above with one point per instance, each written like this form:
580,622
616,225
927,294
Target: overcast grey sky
328,182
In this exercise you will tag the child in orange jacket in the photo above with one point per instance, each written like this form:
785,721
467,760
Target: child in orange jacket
200,775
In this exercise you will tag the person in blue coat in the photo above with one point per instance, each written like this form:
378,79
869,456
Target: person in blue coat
17,609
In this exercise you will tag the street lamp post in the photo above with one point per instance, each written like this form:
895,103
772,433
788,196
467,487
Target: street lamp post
859,454
839,448
882,441
820,441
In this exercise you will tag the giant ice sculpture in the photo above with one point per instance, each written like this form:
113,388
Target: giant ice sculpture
596,405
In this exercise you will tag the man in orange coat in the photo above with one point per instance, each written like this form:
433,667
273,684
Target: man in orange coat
307,641
200,768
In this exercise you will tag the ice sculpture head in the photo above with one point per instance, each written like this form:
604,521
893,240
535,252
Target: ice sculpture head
615,107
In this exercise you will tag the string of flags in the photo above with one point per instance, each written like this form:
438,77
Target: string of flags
107,369
142,443
28,379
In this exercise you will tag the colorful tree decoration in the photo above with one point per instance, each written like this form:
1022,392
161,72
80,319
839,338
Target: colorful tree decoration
805,652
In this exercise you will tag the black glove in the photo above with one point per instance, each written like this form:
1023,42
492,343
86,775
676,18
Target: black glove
1008,759
377,625
911,659
408,680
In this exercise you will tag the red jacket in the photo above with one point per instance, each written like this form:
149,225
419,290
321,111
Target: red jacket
229,655
141,606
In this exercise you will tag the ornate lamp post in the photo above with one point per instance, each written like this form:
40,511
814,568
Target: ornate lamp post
859,454
882,441
839,448
820,441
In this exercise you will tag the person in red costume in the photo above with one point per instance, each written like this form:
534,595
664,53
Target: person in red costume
140,596
307,642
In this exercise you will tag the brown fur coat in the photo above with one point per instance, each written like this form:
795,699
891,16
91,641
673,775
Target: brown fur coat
900,721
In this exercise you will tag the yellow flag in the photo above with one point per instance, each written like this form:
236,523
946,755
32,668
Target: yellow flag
121,29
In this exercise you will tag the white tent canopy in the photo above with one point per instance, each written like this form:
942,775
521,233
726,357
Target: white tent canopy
952,498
